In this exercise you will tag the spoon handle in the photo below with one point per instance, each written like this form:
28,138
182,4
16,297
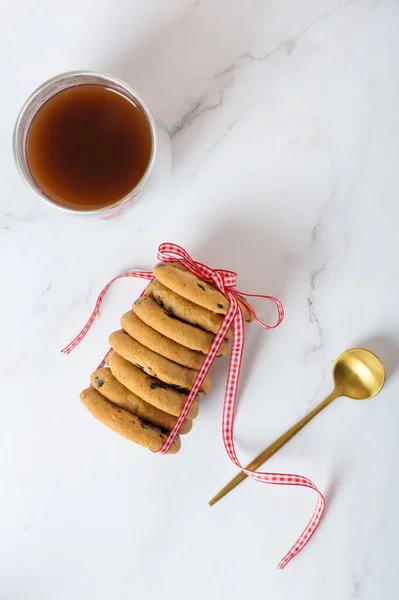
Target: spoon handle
272,449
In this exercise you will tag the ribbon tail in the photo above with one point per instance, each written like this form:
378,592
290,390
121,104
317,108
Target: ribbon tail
263,477
306,533
141,274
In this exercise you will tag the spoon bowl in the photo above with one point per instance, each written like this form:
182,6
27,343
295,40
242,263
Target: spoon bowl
358,374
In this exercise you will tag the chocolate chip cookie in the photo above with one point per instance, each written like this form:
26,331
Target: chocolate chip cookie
148,388
154,364
184,283
123,422
150,338
183,333
105,383
185,309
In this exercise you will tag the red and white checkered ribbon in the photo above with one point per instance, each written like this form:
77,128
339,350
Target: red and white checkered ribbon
225,282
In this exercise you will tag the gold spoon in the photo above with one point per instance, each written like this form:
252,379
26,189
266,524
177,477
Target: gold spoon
358,374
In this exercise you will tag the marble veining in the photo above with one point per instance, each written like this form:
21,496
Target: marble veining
285,136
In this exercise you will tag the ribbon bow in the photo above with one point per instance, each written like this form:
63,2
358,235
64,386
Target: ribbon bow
225,282
219,277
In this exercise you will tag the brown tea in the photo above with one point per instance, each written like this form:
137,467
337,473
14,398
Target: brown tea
88,146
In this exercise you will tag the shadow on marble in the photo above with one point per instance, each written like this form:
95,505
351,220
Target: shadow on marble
263,262
334,483
386,348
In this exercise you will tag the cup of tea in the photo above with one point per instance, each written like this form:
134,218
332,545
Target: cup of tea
87,144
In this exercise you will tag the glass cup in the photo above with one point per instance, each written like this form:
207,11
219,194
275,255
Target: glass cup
159,165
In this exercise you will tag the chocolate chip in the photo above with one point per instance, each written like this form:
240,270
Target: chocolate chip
201,287
220,305
170,311
149,368
139,366
164,431
138,301
158,385
146,425
99,381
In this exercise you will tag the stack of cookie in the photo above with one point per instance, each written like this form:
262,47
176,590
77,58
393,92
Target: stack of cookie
156,356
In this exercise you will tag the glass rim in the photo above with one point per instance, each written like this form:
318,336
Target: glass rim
142,105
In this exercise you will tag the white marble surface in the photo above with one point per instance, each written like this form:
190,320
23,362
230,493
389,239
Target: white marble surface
285,131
